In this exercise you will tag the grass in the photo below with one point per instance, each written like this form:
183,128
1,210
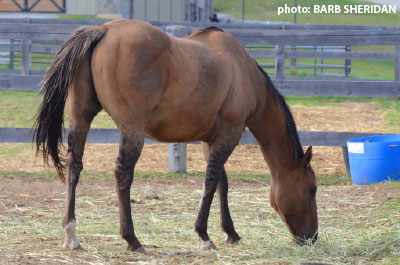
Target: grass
267,10
12,150
17,109
80,17
357,225
392,109
332,179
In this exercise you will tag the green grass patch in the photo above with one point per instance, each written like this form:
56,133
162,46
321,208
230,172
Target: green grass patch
12,150
312,101
333,179
392,205
80,17
18,109
109,175
392,114
267,11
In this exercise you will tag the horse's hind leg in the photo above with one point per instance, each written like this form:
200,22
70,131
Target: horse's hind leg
130,147
220,149
226,219
82,105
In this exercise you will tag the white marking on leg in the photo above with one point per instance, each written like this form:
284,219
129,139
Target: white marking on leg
71,240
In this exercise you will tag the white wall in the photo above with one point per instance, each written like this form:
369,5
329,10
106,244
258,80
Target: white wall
79,7
162,10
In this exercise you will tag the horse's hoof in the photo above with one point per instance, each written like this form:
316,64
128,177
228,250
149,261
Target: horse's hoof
139,250
230,242
72,246
206,245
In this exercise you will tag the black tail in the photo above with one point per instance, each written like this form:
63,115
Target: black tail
49,121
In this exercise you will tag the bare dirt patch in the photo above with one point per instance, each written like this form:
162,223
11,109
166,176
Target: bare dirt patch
354,226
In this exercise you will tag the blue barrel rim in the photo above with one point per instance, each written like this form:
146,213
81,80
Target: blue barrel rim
383,138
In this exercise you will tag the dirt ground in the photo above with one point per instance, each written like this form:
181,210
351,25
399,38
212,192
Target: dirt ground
346,116
354,225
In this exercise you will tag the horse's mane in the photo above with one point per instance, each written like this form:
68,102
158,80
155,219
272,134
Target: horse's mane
295,144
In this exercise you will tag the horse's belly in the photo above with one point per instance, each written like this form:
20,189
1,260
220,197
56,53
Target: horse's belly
179,125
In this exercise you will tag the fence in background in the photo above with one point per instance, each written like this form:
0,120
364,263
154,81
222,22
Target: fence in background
278,35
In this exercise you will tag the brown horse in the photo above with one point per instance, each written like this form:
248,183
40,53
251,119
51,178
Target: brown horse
203,87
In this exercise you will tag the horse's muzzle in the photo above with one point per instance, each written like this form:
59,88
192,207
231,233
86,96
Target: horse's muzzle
307,240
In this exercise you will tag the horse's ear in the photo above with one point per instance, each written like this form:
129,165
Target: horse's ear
307,157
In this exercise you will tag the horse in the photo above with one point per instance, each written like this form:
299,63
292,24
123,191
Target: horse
204,87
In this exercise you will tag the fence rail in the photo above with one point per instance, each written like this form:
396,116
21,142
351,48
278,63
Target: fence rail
279,35
111,136
287,86
264,26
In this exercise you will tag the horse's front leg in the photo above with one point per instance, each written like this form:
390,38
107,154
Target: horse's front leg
220,149
131,145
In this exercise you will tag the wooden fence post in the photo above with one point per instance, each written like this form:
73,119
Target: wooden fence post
177,153
397,64
345,153
280,62
11,65
26,57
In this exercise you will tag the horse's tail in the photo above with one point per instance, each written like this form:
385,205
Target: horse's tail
49,121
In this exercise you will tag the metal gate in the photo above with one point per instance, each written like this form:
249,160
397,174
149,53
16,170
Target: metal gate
45,6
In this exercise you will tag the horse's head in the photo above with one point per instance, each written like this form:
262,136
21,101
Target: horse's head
293,197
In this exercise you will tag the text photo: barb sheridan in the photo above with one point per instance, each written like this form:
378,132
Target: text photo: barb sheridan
337,9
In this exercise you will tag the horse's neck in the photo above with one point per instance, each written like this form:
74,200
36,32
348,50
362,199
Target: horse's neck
271,132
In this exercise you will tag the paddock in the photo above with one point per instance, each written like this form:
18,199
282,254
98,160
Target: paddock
358,225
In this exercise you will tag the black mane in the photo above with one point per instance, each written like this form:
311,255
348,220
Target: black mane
296,147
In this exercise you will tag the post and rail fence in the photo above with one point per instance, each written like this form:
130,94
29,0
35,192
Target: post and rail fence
280,36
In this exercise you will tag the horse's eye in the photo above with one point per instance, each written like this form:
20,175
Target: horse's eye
313,191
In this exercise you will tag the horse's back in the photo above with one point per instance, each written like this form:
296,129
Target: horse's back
176,89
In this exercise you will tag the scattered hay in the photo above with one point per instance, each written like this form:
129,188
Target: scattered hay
356,224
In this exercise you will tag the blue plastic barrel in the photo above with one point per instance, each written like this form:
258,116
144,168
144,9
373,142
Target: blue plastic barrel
374,159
